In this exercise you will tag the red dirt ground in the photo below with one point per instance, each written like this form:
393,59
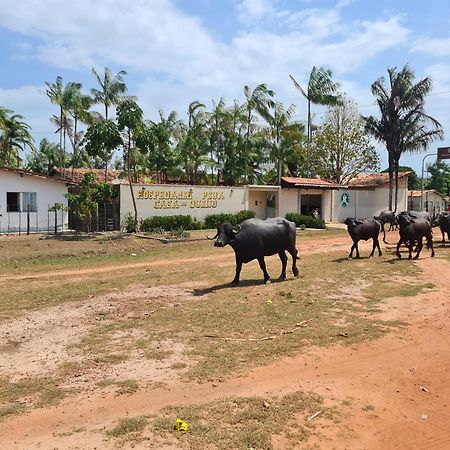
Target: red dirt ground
394,392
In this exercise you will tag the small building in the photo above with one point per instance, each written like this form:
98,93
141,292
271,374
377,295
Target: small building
363,197
430,200
26,199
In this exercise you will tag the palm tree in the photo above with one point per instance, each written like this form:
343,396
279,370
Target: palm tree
112,88
45,159
403,125
65,97
279,121
15,137
321,90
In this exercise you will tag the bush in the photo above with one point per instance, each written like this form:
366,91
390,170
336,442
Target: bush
128,223
214,220
167,223
306,221
185,222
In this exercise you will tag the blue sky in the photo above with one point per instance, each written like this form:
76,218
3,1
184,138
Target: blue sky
177,51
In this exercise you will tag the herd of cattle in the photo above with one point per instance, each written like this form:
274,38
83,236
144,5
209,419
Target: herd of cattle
255,239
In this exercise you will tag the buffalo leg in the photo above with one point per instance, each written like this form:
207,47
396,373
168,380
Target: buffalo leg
379,249
374,246
419,248
357,250
410,245
294,254
238,271
398,248
262,264
350,256
283,257
430,243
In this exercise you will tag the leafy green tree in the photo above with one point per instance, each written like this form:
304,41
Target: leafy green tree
342,148
83,203
278,122
403,126
101,139
45,159
130,122
439,179
15,136
321,90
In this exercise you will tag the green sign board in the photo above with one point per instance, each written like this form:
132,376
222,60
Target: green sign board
344,199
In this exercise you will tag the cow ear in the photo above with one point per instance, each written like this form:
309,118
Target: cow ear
359,222
412,221
236,229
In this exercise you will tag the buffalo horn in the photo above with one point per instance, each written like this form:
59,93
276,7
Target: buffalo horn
212,238
236,229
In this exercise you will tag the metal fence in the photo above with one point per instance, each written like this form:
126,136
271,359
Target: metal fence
104,217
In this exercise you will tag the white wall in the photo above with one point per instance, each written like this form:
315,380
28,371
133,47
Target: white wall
366,203
288,201
168,200
48,192
257,201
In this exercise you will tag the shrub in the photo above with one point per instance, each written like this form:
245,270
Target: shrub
167,223
306,221
128,223
214,220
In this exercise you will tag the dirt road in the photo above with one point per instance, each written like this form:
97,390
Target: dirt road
393,393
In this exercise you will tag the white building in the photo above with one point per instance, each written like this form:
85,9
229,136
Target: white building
25,200
432,201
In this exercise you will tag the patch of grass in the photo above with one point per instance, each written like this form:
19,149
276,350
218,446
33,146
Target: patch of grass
9,410
157,354
130,427
368,408
34,391
122,386
240,423
389,290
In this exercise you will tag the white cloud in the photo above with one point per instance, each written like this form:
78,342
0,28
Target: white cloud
250,9
433,47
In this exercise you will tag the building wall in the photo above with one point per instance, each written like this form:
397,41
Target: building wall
432,202
366,203
257,201
196,201
289,201
48,192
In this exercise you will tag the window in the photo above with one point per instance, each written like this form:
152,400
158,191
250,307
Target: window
21,201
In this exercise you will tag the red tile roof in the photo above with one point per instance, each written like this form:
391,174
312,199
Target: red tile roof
373,180
417,193
294,182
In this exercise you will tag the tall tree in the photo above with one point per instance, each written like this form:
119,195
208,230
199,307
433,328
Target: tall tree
64,97
321,90
342,148
130,121
403,126
112,88
440,177
279,121
15,137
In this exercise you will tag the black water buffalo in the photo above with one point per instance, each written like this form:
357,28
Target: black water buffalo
413,229
363,230
255,239
417,215
387,217
444,225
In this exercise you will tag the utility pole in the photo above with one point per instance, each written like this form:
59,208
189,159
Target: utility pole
421,191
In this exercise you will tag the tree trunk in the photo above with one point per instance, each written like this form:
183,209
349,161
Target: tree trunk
391,177
396,184
61,157
130,181
308,144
